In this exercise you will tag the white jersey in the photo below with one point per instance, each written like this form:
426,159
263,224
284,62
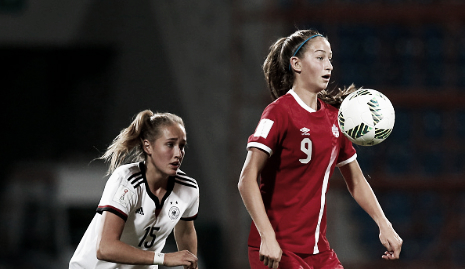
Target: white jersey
148,220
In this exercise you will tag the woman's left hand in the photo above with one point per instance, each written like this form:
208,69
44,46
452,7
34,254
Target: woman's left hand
391,240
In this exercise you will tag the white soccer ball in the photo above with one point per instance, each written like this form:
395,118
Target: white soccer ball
366,117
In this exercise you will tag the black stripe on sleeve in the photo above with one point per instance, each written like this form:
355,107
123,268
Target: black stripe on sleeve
186,178
190,218
113,210
135,180
134,175
185,184
138,183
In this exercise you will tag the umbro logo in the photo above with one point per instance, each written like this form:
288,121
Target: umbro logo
305,131
140,211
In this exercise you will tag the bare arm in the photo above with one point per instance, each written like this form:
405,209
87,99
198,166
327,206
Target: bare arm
270,252
365,197
111,249
186,236
186,239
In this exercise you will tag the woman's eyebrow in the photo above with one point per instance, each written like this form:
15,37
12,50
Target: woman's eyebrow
324,51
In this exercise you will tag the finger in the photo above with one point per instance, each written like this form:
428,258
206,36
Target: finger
270,263
397,250
388,255
261,257
393,250
265,261
275,265
193,263
396,254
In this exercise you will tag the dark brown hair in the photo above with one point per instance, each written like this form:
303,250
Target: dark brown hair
280,77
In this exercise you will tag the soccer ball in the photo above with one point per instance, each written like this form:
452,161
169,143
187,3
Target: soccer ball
366,117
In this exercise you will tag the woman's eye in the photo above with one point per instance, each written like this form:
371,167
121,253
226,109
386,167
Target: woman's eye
183,147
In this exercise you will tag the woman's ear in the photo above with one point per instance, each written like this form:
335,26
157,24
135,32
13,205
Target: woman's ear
295,63
147,146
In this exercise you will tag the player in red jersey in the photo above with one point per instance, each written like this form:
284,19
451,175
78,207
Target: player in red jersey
294,150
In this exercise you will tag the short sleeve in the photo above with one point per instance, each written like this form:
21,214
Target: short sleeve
347,153
269,130
193,209
118,196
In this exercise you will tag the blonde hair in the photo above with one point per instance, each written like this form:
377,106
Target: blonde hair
128,145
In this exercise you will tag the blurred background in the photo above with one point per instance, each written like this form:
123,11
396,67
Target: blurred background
76,72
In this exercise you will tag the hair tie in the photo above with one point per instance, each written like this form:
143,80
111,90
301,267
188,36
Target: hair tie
303,43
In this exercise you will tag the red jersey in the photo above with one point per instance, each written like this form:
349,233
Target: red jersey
304,147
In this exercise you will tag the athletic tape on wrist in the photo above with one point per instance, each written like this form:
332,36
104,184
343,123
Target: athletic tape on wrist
158,258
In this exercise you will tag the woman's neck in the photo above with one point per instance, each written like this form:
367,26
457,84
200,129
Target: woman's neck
157,181
308,97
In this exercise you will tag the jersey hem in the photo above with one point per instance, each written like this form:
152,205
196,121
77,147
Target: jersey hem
299,250
190,218
113,210
260,146
351,159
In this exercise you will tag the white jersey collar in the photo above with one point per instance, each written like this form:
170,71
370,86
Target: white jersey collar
300,102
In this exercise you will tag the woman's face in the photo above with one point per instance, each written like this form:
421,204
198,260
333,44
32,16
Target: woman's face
315,66
167,151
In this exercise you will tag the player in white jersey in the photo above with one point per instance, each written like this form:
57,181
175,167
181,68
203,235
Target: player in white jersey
143,201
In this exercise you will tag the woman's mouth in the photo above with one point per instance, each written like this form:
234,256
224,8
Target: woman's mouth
175,164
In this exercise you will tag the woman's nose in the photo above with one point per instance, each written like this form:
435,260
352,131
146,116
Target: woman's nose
178,152
329,65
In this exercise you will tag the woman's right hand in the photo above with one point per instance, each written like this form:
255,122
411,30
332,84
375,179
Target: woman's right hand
270,252
183,257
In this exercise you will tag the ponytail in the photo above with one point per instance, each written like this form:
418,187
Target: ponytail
278,75
336,96
128,145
